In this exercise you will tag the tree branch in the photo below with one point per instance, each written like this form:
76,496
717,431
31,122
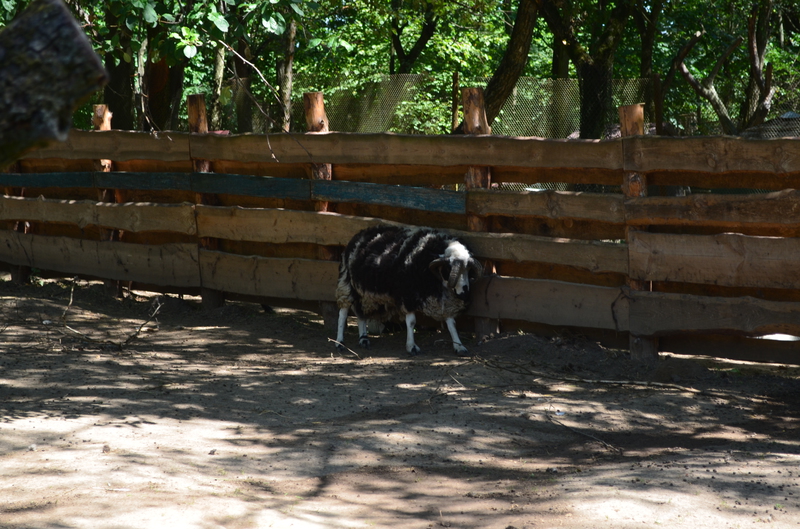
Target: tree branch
706,90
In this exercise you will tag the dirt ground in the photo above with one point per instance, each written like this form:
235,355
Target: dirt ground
239,418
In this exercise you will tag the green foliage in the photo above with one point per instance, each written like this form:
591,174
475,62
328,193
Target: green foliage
346,47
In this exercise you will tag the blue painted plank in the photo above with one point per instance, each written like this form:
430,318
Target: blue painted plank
46,179
438,200
144,181
257,186
254,186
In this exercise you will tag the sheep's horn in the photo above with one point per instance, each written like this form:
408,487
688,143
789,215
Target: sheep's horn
458,267
475,265
436,267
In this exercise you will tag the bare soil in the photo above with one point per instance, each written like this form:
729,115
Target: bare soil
238,418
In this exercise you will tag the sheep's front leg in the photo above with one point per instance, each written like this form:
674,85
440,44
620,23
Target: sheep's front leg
411,347
340,328
457,345
363,339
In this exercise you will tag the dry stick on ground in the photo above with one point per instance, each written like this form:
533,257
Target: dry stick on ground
345,347
523,370
590,436
119,345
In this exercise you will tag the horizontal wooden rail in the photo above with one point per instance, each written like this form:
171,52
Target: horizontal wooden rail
549,204
716,155
176,218
550,302
174,265
773,210
280,226
725,259
602,208
119,146
270,277
659,314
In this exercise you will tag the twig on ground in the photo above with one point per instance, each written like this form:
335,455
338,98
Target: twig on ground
590,436
66,329
343,346
524,370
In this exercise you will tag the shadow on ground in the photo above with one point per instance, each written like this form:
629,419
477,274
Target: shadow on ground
240,418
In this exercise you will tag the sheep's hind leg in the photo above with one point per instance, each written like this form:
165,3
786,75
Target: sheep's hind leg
363,339
340,329
411,347
457,345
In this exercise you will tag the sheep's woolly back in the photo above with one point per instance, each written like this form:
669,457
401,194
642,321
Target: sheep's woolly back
385,272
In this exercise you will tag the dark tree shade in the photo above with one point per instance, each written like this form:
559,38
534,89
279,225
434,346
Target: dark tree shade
47,66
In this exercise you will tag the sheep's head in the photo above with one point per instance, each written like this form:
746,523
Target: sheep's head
458,265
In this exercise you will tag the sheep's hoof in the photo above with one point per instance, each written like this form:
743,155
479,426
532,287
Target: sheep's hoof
461,350
414,351
363,341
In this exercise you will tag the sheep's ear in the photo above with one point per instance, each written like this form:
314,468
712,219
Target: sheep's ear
475,266
436,267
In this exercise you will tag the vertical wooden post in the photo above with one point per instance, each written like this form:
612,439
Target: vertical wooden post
198,124
643,348
478,178
101,120
316,122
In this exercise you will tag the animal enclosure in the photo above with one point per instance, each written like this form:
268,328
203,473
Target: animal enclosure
249,217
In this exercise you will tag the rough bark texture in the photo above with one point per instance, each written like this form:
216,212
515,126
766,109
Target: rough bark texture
119,93
505,78
286,76
513,63
594,65
46,66
408,58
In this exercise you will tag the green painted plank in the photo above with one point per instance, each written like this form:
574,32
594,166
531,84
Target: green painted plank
390,195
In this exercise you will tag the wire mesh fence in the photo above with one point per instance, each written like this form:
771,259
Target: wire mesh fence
420,104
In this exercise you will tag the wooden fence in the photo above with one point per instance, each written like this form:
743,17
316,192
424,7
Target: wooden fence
698,274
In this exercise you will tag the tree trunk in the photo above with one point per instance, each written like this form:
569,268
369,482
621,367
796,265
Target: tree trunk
595,65
407,59
595,83
514,60
47,65
118,94
216,97
557,115
647,26
513,63
285,76
242,95
164,93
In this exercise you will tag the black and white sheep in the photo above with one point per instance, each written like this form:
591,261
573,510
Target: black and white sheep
390,272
